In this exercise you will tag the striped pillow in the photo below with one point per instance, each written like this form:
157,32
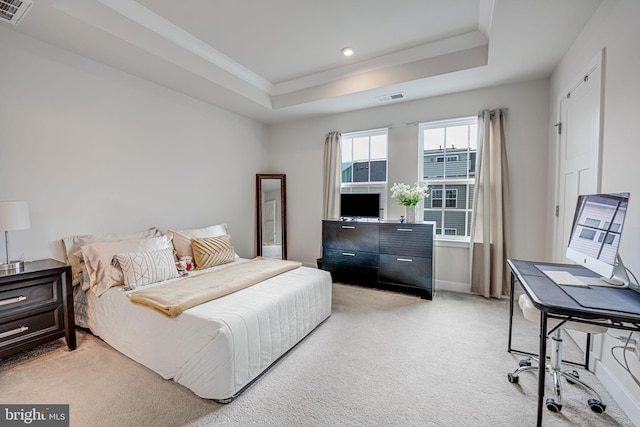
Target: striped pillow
212,251
144,268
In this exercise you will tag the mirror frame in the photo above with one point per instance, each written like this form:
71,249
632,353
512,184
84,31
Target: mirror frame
283,210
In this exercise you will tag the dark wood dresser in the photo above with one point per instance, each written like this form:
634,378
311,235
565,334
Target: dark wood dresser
388,254
36,306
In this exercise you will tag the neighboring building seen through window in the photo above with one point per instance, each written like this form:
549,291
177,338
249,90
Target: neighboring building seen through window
364,163
448,166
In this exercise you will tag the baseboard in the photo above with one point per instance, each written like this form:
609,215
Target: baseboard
444,285
626,402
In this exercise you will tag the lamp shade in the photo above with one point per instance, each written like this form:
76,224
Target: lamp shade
14,215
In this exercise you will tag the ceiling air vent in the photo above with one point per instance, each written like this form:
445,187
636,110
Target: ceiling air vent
12,11
392,97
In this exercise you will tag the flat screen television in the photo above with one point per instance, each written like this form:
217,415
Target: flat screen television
364,205
595,235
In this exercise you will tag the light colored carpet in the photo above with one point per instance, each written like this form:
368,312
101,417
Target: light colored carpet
381,359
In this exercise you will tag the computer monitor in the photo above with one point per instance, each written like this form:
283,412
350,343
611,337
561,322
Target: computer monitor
595,235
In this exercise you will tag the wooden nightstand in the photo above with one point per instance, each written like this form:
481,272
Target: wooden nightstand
36,306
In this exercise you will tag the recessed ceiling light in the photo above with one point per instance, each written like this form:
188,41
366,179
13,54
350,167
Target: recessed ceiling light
347,51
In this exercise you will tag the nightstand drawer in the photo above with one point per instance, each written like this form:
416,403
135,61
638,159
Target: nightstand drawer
29,293
36,306
31,326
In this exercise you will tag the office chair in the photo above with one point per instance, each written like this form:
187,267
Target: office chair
554,365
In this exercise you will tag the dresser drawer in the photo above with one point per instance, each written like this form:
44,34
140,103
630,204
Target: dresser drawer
29,293
31,326
350,236
407,239
412,271
334,259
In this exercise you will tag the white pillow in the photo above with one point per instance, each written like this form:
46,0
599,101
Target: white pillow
182,238
98,256
72,246
143,268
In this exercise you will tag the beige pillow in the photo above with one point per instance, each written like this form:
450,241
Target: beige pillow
144,268
182,238
211,251
72,246
98,259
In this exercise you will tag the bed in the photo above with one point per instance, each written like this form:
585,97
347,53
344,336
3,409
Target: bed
218,348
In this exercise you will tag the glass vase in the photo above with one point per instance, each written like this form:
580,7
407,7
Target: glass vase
410,213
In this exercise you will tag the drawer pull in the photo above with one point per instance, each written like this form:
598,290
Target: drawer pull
13,300
404,259
348,254
16,331
405,229
350,227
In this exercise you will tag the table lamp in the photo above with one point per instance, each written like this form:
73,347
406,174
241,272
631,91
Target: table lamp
14,215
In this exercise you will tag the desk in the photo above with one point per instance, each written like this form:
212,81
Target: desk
554,302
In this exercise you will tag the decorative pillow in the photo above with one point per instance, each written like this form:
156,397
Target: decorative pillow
97,257
211,251
182,238
72,246
143,268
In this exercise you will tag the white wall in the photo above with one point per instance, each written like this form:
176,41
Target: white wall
96,150
296,148
615,28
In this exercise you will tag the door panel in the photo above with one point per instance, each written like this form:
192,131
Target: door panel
579,149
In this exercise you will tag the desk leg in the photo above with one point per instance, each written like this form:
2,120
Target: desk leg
513,279
542,357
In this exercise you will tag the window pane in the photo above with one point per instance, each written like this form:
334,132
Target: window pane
455,220
361,172
457,137
434,216
433,139
473,137
449,153
347,150
361,148
379,147
378,171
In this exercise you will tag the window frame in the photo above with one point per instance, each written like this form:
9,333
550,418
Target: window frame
469,181
359,187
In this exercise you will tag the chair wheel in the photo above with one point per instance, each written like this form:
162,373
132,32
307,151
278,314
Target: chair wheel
596,406
512,378
553,406
525,362
575,374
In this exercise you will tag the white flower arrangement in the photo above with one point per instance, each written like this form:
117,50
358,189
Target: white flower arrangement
408,196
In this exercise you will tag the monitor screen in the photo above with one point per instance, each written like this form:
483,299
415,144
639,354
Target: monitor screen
366,205
596,231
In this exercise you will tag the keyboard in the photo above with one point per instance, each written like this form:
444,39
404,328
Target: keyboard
564,278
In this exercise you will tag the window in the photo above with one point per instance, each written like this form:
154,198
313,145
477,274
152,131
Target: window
591,222
448,164
364,163
587,233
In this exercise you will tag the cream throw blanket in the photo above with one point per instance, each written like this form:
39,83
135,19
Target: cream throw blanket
173,298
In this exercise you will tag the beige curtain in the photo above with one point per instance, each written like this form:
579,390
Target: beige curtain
490,222
332,176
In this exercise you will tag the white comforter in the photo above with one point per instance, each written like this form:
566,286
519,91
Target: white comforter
218,347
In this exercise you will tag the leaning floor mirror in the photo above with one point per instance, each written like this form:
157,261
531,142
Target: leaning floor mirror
271,206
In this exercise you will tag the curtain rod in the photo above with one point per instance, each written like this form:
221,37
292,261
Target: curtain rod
416,123
369,129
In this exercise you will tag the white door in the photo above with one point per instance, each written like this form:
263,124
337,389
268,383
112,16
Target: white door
580,113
